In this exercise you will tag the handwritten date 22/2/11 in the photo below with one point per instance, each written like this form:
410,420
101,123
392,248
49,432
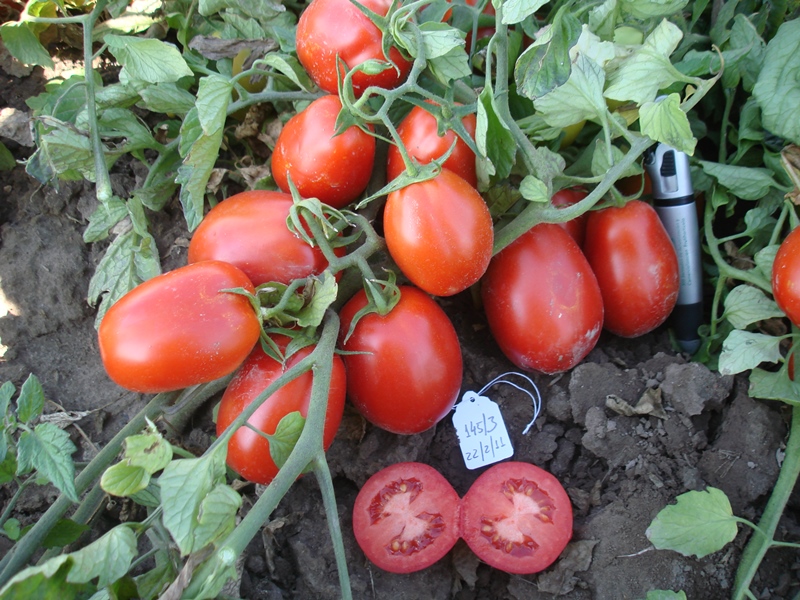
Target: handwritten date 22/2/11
482,433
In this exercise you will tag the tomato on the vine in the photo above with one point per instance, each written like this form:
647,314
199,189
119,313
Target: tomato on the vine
542,301
575,227
333,168
635,265
786,276
331,28
407,374
179,329
249,230
249,453
439,232
516,517
420,136
406,517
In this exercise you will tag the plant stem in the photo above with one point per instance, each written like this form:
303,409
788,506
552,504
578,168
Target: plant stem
762,538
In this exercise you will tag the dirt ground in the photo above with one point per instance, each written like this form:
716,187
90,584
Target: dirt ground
619,470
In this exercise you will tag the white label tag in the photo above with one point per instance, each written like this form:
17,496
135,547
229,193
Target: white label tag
482,433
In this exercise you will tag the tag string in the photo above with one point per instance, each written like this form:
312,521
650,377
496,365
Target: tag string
535,399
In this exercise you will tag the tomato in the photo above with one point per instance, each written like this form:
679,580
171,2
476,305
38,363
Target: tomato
249,230
334,169
575,227
634,185
516,517
439,232
542,301
410,376
248,452
786,276
328,28
419,134
571,133
179,329
406,517
635,265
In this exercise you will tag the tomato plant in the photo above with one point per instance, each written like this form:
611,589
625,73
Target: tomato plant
419,134
636,267
331,28
516,517
252,455
333,168
786,276
439,232
179,329
542,301
406,517
575,227
249,230
407,374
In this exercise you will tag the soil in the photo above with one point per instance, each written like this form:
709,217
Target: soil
618,470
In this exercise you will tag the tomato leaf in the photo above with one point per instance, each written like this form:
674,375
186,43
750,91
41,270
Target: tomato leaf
7,160
698,524
8,466
66,151
601,163
745,305
148,450
105,216
217,515
148,59
30,403
743,350
106,559
579,99
48,580
515,11
283,441
534,189
48,449
665,595
323,290
492,136
652,8
664,121
65,532
779,95
123,479
167,98
23,44
773,385
6,393
12,529
748,183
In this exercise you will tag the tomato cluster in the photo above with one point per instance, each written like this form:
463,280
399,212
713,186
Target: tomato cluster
516,517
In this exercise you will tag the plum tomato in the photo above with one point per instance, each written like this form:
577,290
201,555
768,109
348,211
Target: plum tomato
786,276
333,168
249,230
331,28
248,452
407,374
636,267
419,134
179,329
516,517
439,232
575,227
406,517
542,301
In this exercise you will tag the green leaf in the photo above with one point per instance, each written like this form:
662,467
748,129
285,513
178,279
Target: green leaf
105,216
167,98
184,486
649,9
30,403
698,524
291,67
48,580
773,385
515,11
7,160
546,63
664,121
8,466
23,44
6,393
12,529
148,59
148,450
600,159
745,305
743,350
213,95
66,149
777,90
124,480
534,189
765,258
665,595
283,441
121,122
153,582
217,515
107,559
48,450
748,183
323,293
579,99
492,136
65,531
149,496
451,66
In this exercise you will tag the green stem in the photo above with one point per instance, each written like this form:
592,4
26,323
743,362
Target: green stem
730,94
762,538
13,502
323,473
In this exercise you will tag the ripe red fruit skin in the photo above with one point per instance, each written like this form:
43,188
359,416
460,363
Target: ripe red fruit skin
786,276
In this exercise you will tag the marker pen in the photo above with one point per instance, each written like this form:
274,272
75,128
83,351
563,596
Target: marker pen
673,199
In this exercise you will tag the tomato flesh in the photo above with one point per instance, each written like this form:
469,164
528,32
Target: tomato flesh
406,517
517,517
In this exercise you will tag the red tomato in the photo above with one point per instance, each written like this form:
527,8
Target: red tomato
786,276
406,517
516,517
328,28
420,136
249,230
635,265
334,169
179,329
410,376
248,452
542,301
439,232
575,227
